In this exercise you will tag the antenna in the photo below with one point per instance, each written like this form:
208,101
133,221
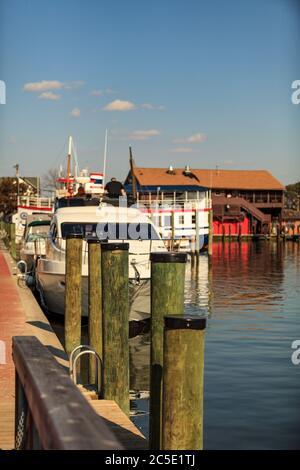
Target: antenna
69,186
104,157
134,192
76,170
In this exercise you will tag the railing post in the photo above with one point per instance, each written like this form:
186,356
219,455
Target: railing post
183,371
12,236
21,412
167,295
115,301
95,302
210,232
73,292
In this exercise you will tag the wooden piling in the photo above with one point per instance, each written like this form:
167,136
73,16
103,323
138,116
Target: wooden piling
115,305
12,236
182,419
173,229
167,295
210,232
197,239
240,233
73,292
95,303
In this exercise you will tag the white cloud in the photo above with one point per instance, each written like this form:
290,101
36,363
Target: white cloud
192,139
49,95
73,85
75,113
196,138
120,105
228,162
107,91
47,85
96,92
152,106
43,85
144,134
182,150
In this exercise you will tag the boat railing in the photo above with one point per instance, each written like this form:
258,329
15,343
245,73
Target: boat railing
171,204
35,202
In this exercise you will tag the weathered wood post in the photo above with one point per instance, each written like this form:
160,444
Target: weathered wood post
182,419
12,236
115,305
173,228
95,303
240,233
167,295
193,255
210,232
223,232
73,292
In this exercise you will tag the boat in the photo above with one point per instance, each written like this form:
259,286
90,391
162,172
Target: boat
106,222
33,244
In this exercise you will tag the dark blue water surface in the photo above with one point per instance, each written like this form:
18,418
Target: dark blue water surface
251,294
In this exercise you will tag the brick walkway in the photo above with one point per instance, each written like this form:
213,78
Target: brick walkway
12,323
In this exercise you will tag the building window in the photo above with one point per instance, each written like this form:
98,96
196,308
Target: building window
193,218
181,219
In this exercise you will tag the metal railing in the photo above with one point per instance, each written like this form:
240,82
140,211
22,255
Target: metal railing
51,413
35,201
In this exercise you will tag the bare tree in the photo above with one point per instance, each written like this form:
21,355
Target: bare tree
49,181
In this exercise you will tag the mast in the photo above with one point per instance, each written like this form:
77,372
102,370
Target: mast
69,186
104,157
134,192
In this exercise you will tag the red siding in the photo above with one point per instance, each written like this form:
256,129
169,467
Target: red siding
232,228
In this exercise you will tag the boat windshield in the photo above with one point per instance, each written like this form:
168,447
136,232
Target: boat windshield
111,231
37,232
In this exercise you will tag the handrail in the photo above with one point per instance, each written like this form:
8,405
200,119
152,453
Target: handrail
57,411
76,354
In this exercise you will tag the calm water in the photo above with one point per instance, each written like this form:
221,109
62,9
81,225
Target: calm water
251,294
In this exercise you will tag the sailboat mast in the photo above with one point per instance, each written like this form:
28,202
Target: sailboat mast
69,187
134,192
104,157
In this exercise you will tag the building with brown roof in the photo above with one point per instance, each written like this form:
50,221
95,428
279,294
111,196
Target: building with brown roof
247,201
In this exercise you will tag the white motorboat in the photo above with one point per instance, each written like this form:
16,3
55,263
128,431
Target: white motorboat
104,222
33,244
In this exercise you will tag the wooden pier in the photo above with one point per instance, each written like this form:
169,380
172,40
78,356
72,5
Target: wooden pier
21,322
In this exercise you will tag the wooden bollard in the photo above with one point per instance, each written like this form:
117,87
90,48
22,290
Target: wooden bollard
240,233
73,292
12,236
167,295
95,303
210,232
115,305
182,419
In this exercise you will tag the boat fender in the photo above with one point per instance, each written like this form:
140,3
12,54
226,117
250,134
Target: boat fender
29,280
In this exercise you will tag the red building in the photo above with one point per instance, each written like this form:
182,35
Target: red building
244,201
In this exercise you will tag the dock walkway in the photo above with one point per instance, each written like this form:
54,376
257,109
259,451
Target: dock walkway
20,315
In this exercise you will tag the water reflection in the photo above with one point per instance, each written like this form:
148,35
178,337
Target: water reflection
251,294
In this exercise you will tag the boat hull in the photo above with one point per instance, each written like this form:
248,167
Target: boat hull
51,287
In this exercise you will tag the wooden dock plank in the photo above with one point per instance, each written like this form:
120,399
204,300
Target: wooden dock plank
120,424
19,315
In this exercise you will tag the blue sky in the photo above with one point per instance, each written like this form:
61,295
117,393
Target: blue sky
203,83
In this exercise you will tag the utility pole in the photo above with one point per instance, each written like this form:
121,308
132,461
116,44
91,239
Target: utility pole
134,193
16,166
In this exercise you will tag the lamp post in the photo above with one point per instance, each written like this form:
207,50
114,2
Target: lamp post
16,166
